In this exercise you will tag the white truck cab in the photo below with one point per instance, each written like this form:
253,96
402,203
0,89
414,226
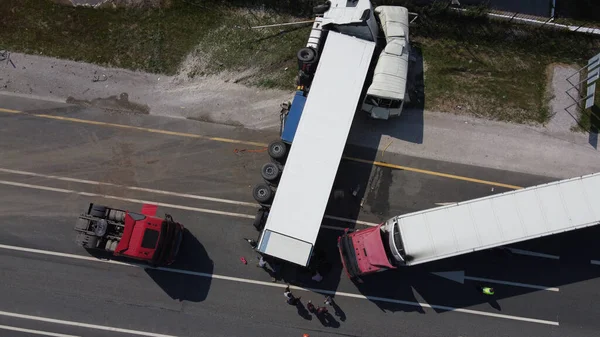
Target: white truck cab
353,18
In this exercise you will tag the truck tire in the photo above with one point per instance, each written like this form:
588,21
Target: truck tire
306,55
259,222
82,224
98,211
320,9
307,58
270,172
262,193
277,150
86,241
116,216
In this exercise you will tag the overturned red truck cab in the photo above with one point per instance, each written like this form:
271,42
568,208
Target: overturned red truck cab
141,236
363,252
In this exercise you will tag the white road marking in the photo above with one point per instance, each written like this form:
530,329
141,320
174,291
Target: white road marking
596,262
149,190
277,285
82,325
131,188
460,277
35,332
529,253
516,284
140,201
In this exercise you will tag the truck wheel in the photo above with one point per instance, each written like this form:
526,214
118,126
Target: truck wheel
270,172
82,224
262,193
320,9
306,55
277,150
259,222
86,241
98,211
116,216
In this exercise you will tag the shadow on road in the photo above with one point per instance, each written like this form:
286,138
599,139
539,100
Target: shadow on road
302,311
192,257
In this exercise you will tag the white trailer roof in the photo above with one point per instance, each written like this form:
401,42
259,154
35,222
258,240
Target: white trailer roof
303,191
500,219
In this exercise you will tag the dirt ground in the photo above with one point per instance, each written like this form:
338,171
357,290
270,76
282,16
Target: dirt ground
210,98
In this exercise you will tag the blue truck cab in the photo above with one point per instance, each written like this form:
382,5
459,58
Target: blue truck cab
292,118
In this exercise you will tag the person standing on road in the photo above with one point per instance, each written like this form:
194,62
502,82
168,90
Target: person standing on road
253,243
310,307
486,290
328,300
290,298
321,310
262,263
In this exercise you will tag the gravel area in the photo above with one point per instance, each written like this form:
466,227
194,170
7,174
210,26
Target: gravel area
563,119
211,99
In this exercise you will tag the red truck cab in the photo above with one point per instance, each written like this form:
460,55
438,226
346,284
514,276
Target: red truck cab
363,252
141,236
146,237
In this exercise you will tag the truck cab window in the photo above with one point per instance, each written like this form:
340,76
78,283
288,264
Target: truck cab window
150,239
398,241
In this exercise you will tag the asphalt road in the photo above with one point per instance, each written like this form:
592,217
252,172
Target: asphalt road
208,291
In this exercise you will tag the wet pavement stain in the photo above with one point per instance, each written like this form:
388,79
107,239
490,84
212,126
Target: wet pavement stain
378,195
114,103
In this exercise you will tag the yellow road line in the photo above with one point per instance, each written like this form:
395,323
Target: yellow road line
164,132
433,173
258,144
11,111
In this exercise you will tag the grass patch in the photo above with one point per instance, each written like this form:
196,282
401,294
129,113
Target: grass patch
268,55
153,40
492,68
483,81
157,40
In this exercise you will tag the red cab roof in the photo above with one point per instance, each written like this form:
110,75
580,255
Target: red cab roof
141,234
369,250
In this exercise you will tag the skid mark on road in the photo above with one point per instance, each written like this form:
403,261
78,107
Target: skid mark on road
277,285
257,144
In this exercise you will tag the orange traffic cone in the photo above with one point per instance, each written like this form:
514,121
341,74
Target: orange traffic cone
305,335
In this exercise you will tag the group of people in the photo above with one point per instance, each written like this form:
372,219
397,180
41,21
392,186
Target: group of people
317,310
